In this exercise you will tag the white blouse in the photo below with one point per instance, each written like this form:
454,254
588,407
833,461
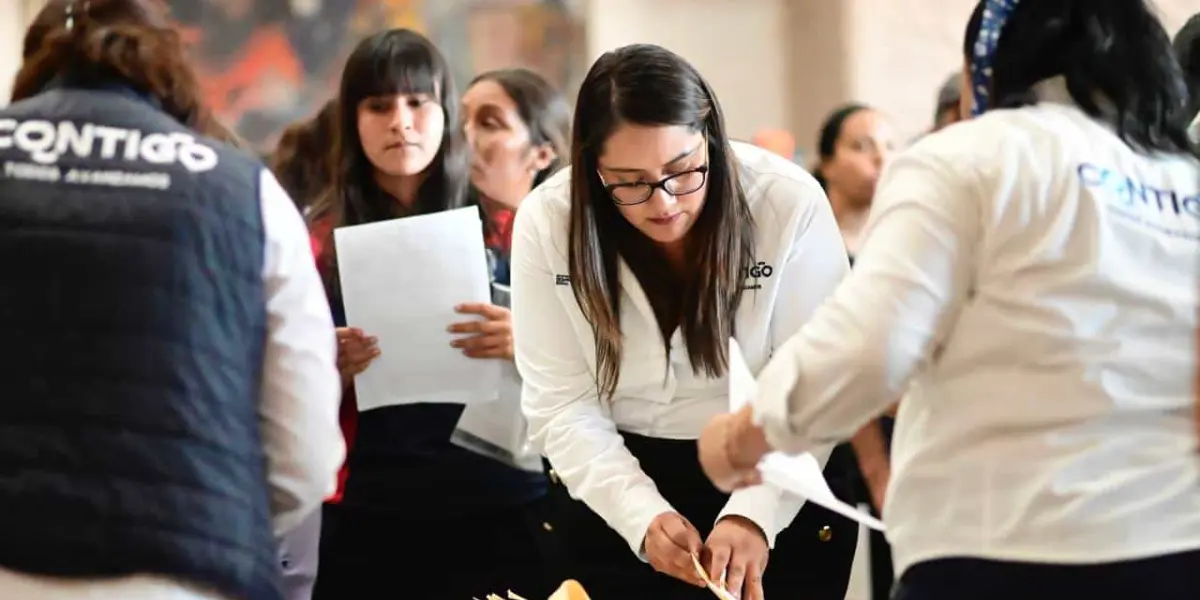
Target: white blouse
799,261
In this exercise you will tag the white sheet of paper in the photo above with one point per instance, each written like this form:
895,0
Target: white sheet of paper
401,280
497,429
796,474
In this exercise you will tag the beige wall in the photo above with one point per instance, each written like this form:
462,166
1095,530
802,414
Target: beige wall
787,63
775,63
734,43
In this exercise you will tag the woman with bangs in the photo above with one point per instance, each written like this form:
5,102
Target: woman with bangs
411,501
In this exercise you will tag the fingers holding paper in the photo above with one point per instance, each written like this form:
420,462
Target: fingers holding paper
356,352
737,553
490,337
671,541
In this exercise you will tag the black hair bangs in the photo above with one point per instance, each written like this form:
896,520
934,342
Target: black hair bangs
396,62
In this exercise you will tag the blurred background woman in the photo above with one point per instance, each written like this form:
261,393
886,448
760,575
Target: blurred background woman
853,145
517,127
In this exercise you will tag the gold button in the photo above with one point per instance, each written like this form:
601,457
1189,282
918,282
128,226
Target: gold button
553,477
825,534
547,527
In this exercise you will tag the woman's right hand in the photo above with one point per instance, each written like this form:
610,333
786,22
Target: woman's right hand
670,543
356,351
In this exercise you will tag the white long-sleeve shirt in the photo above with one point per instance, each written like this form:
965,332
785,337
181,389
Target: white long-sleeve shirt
1035,280
298,410
800,260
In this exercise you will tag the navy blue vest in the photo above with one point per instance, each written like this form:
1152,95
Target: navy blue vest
132,327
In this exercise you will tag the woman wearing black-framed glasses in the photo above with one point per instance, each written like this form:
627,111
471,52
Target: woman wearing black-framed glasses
631,271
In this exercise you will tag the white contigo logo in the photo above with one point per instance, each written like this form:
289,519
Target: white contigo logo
46,141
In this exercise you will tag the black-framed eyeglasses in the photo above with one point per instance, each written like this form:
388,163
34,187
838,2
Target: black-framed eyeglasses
676,184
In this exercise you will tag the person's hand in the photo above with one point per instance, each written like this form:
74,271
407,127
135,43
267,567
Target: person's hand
670,543
737,548
490,337
730,448
356,352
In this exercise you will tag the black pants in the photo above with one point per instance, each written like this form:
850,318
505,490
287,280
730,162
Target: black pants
369,555
811,559
1171,577
882,578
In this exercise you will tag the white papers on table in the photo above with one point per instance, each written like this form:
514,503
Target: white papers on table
797,474
401,280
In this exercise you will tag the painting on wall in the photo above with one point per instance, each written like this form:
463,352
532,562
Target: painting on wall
267,63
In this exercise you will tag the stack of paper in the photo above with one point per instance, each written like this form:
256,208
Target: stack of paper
797,474
401,280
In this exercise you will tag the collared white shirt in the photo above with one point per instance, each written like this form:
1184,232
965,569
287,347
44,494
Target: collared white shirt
298,411
1035,280
800,260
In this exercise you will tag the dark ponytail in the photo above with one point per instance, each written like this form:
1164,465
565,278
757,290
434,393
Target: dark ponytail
1187,49
124,41
1114,55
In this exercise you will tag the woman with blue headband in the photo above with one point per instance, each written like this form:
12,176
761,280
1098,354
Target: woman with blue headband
1029,279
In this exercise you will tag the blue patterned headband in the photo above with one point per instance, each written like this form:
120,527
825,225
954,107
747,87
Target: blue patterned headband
995,15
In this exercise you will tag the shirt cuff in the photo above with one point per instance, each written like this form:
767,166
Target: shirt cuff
644,507
771,406
765,506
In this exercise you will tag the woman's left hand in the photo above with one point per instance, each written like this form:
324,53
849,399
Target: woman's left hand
737,551
490,337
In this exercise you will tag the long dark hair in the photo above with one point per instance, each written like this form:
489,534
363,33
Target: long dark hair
1187,50
651,86
131,42
398,61
1116,59
301,161
542,108
827,138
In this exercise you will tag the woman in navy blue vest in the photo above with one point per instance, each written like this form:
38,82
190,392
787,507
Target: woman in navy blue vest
413,502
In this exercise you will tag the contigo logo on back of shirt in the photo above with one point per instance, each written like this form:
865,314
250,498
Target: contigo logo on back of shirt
754,273
45,142
561,279
1157,208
